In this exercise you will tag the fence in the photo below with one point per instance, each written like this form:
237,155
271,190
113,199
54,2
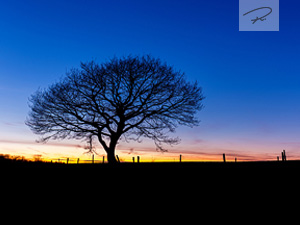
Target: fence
78,160
67,160
136,159
91,161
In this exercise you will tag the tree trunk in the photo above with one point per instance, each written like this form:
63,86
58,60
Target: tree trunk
111,158
110,151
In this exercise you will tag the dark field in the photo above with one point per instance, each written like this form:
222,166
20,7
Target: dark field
223,182
183,170
213,166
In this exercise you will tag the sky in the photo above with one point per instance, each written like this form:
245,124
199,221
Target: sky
251,79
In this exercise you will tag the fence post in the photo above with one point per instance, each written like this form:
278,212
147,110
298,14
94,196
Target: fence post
93,158
180,157
118,158
224,158
138,159
283,156
67,160
133,159
78,161
103,159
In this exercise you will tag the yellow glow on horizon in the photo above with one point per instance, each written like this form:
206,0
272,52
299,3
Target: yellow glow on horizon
148,159
60,151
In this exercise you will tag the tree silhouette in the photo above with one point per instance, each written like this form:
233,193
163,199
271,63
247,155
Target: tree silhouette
130,98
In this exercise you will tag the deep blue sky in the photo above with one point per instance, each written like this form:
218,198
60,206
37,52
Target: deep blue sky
251,80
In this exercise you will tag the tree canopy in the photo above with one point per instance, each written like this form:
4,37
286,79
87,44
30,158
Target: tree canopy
129,97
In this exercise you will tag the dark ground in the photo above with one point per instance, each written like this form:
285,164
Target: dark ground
177,171
157,188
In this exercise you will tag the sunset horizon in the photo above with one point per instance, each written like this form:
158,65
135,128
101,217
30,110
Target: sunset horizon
249,79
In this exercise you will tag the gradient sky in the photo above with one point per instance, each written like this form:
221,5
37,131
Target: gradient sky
251,80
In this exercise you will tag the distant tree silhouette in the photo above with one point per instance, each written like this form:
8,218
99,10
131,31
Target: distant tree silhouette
130,98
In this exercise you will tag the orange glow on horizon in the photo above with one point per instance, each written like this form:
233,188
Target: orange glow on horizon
98,159
61,151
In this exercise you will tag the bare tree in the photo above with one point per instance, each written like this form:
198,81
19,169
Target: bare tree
130,98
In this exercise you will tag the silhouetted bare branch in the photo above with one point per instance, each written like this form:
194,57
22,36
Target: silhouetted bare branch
133,97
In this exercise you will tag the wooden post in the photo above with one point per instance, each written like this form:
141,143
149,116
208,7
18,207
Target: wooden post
103,159
283,157
93,158
224,158
180,157
133,159
78,161
118,158
67,160
235,159
138,159
277,158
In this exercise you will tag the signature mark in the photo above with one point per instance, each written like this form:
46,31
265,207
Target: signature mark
259,18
